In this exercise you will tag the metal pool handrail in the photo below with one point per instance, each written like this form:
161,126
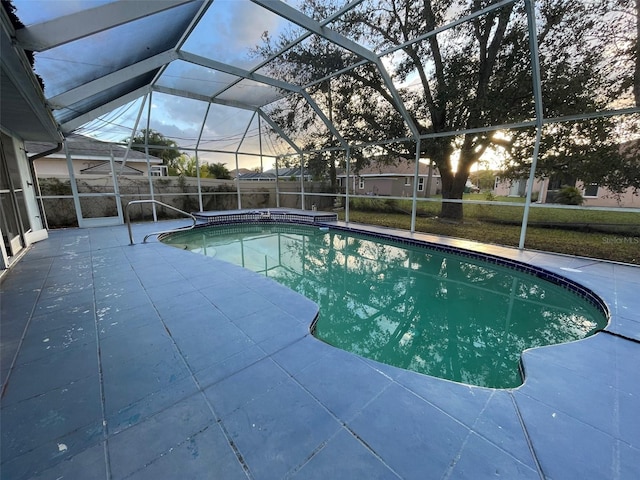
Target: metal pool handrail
156,202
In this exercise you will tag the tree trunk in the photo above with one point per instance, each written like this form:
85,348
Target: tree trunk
636,78
452,189
453,183
333,173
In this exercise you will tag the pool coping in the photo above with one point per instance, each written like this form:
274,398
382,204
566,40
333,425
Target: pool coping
361,418
265,214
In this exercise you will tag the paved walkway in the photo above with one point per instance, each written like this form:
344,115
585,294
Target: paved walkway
147,362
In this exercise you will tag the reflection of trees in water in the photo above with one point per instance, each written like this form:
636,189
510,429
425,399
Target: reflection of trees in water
446,316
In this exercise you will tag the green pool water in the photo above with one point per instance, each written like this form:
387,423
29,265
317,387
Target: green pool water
436,313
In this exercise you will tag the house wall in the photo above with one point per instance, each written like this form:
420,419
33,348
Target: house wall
606,198
603,198
403,189
506,188
375,186
57,166
391,186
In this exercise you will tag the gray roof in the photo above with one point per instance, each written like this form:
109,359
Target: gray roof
396,168
287,172
271,174
104,168
256,176
85,147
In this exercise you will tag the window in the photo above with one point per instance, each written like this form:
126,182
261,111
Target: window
159,171
361,183
421,184
591,190
407,182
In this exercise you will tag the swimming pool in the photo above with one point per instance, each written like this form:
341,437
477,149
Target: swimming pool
437,312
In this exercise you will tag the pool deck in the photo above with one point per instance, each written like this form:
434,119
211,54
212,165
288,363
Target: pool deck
149,362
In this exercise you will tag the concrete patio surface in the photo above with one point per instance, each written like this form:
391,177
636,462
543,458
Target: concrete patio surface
148,362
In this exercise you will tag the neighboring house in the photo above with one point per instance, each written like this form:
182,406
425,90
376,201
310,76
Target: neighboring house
257,176
93,157
241,171
597,196
395,179
516,188
544,190
283,174
594,195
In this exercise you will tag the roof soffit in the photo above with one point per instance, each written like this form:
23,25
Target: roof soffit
24,113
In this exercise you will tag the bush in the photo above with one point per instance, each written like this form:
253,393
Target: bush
569,196
53,186
373,204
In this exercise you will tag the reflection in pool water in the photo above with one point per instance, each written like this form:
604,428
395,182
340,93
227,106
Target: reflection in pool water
436,313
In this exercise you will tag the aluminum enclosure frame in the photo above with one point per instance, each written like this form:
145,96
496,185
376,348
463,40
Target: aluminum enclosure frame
95,93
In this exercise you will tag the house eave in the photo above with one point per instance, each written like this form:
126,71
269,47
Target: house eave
25,113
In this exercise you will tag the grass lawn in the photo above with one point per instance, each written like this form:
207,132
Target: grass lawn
606,235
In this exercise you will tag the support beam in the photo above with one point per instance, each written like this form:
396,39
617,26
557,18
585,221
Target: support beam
130,142
104,83
238,72
188,31
58,31
297,17
324,118
146,153
75,122
416,177
279,131
222,67
337,14
537,96
203,98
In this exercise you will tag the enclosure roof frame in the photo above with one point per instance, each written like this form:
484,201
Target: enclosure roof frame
102,93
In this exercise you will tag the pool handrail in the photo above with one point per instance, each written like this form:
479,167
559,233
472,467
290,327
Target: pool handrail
156,202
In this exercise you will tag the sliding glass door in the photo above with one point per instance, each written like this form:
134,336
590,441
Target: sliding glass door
13,210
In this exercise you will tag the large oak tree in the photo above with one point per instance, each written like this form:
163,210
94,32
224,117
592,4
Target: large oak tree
475,75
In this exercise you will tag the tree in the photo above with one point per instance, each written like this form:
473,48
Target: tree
159,146
585,150
185,166
466,78
219,171
636,53
484,179
305,65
